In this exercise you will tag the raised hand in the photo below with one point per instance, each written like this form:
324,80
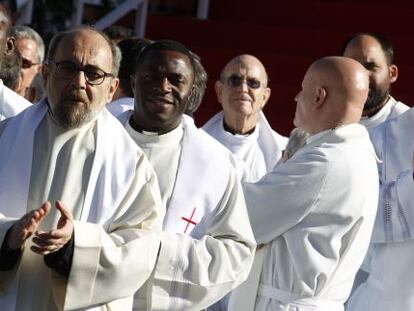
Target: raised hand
55,239
26,226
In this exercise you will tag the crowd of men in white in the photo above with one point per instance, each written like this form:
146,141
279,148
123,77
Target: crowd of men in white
135,208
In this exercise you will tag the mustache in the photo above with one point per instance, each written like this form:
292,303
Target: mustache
161,98
77,96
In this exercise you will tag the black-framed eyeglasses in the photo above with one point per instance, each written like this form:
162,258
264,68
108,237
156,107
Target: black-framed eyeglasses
236,80
27,63
93,75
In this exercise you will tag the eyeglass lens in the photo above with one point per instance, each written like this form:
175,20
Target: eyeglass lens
92,75
235,81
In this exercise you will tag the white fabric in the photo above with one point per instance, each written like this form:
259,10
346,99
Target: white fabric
11,103
390,285
120,105
316,213
157,148
260,150
390,110
193,273
121,204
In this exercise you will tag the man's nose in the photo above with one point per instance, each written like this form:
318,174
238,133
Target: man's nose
79,80
244,87
165,84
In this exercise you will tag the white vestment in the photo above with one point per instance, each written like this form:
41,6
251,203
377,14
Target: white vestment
11,103
120,105
390,110
315,215
108,185
260,150
390,285
204,201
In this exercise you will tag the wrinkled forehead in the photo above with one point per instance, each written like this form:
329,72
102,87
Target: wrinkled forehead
85,47
245,69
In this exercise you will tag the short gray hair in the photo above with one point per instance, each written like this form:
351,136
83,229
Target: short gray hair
25,32
115,51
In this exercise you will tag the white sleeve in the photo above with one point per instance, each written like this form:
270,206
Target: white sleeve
192,274
282,198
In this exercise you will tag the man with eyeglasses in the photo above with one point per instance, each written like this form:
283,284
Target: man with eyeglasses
98,243
10,103
241,126
207,245
32,49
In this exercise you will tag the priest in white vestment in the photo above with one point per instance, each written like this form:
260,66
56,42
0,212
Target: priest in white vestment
123,99
376,54
390,285
315,212
98,243
241,126
207,246
10,102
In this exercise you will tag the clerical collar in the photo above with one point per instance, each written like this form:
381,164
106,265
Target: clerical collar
231,131
141,130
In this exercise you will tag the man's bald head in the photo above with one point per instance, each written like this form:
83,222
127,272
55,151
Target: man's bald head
243,92
245,60
333,93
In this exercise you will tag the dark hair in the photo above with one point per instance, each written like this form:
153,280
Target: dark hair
385,44
200,84
164,45
57,38
117,32
130,49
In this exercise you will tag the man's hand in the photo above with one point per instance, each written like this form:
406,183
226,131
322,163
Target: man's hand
54,240
26,226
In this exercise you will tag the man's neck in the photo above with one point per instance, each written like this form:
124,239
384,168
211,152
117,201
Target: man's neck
240,125
370,112
139,127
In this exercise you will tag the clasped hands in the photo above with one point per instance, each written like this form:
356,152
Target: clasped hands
44,242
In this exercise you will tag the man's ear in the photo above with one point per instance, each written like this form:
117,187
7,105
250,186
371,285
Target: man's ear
266,96
112,89
393,73
320,97
9,46
218,87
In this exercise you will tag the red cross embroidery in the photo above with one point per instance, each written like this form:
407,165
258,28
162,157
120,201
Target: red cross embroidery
189,220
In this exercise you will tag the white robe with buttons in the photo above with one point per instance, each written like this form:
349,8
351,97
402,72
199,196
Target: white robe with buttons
315,215
390,285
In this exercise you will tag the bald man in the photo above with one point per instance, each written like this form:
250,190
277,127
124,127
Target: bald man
376,54
314,213
241,126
